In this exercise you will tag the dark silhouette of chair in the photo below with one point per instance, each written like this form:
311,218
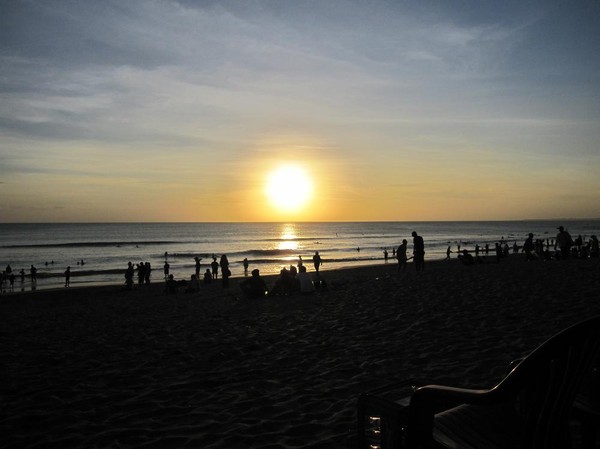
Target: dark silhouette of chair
530,408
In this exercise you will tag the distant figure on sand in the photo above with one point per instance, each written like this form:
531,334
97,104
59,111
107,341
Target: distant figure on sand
466,258
317,261
214,265
245,266
198,265
207,276
448,252
166,268
385,255
594,251
255,287
563,242
528,248
418,251
68,276
33,273
401,256
129,276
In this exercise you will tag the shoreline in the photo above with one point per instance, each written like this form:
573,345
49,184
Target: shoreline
100,366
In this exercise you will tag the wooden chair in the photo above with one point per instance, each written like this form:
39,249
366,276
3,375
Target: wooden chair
530,408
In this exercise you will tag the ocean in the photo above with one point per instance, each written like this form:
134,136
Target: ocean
106,248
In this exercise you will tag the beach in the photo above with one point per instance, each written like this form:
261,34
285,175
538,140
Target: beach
104,367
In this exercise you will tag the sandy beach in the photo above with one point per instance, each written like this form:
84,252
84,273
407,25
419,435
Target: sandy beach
103,367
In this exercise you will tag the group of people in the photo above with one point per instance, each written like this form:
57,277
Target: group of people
564,246
418,253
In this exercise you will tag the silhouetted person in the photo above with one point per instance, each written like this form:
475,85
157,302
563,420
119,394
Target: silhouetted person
317,261
300,261
147,272
207,276
306,283
418,251
385,255
528,248
171,285
68,276
224,263
254,287
245,266
215,268
194,285
33,273
197,259
11,280
594,252
166,269
448,252
401,256
563,242
225,274
466,258
129,276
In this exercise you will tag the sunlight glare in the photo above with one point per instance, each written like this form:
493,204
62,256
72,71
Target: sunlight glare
289,188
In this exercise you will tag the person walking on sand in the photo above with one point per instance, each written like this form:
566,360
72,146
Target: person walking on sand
317,261
401,256
68,276
563,242
418,251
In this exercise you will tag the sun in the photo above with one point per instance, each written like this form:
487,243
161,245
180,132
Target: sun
289,188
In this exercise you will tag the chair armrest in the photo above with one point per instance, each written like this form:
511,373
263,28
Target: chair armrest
429,400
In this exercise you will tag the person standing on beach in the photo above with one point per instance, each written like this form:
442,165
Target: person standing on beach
317,261
224,263
246,266
68,276
215,267
401,256
563,242
528,247
33,274
418,251
197,259
166,268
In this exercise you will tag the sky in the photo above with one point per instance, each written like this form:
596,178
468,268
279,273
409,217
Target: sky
164,110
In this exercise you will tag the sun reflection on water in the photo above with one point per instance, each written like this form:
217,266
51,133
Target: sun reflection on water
288,237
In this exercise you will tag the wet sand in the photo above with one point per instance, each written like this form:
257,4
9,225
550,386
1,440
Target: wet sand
103,367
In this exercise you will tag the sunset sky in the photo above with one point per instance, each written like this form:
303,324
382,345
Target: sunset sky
166,110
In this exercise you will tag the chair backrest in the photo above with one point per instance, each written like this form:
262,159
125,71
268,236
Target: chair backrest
547,381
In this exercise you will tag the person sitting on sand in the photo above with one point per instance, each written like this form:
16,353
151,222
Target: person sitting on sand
207,276
466,258
194,285
254,287
171,285
285,283
306,283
